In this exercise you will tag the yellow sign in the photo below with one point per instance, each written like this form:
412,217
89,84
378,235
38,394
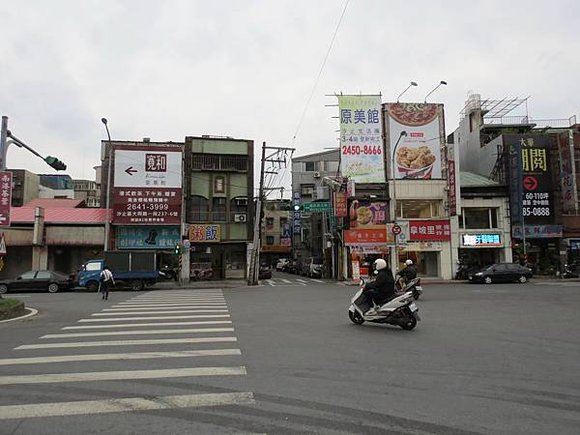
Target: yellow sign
203,233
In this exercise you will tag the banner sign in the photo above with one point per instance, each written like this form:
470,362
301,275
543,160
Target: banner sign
5,197
533,200
361,145
420,231
148,237
418,154
147,185
204,233
340,204
296,213
481,240
365,237
567,172
366,214
538,231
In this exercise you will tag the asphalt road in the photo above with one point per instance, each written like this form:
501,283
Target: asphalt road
284,358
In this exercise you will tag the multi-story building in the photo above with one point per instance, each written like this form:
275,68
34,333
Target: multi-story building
313,177
537,161
218,192
25,186
276,230
88,191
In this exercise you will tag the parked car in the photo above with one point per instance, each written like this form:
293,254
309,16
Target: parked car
502,272
282,263
37,280
265,272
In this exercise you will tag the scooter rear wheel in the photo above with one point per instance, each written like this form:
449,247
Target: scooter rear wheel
355,318
409,323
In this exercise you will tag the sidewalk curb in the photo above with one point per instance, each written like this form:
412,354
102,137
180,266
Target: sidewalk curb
33,312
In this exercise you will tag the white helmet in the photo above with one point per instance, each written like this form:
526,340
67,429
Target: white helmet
409,262
380,264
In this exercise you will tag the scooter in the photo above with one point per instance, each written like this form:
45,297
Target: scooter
400,311
570,271
415,288
462,271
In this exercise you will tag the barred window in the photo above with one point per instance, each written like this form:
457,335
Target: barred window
219,162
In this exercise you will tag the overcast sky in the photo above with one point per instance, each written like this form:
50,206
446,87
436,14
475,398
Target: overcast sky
246,69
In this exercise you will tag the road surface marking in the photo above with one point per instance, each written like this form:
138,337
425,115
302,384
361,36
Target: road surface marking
155,307
121,375
287,281
174,299
167,303
87,407
132,325
141,332
127,342
118,356
317,280
122,319
161,312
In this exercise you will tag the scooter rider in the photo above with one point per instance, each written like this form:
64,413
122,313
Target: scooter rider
383,287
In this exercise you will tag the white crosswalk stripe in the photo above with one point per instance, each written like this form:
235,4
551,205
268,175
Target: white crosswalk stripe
302,281
201,318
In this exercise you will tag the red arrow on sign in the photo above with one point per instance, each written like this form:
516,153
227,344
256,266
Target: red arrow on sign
530,183
130,170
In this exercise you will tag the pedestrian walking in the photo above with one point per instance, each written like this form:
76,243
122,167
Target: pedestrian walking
107,281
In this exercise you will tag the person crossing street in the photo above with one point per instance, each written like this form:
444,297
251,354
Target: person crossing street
107,281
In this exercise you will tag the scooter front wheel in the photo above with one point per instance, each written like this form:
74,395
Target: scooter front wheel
355,317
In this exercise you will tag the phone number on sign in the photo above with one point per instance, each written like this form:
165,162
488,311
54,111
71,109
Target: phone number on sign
147,207
355,150
536,211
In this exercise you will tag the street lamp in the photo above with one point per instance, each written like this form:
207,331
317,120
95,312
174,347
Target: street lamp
442,82
395,260
108,200
411,84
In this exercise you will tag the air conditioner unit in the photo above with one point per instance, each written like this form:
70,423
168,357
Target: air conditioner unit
317,175
240,217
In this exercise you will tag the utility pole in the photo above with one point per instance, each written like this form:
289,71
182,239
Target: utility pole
274,158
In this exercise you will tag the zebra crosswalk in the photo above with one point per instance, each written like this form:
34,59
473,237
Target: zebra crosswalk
191,327
292,282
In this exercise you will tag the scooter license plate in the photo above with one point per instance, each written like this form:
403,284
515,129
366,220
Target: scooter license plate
413,307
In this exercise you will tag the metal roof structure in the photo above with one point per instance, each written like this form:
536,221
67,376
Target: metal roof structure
55,215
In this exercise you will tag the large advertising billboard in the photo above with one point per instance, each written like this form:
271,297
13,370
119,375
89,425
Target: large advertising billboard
361,145
147,185
418,154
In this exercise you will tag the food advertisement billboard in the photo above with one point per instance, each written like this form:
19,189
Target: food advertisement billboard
361,145
418,154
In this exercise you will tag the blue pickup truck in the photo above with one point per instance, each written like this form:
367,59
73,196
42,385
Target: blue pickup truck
131,269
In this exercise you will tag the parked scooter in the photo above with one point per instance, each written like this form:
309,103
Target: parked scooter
570,271
400,311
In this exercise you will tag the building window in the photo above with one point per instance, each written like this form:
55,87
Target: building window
478,218
269,240
307,190
202,162
269,223
309,166
219,209
219,185
418,209
198,209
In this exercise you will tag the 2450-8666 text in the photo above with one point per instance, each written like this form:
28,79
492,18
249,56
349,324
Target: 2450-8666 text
356,150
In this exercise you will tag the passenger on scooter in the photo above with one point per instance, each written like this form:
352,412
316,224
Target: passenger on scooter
383,287
409,272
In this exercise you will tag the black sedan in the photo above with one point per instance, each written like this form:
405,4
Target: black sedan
502,272
37,280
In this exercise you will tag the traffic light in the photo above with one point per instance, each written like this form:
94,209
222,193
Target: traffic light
297,207
177,249
55,163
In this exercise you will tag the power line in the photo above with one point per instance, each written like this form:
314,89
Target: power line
319,73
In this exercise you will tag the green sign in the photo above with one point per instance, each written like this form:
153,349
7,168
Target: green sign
316,207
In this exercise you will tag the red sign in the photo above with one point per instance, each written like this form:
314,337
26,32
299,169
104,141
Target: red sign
5,197
340,204
146,205
396,229
366,236
530,182
429,231
452,188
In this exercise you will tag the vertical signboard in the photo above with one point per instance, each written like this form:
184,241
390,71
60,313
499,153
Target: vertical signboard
361,146
418,155
296,213
5,197
454,191
567,172
147,185
340,204
530,172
